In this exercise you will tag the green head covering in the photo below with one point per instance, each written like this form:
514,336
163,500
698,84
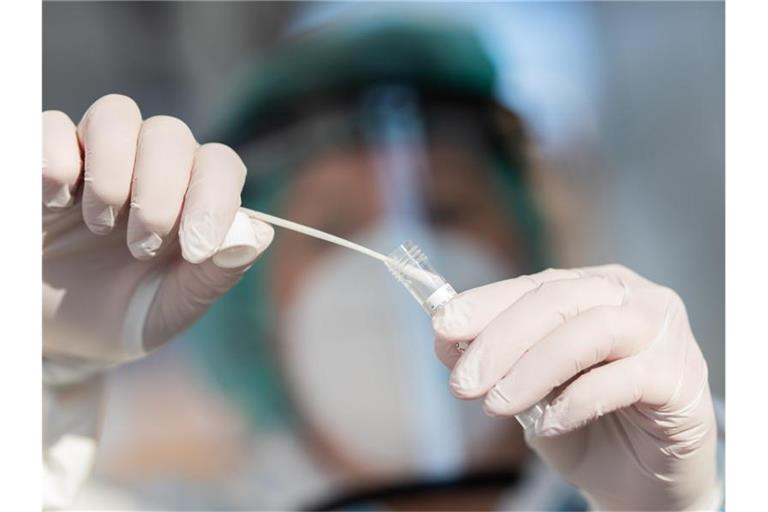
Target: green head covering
337,63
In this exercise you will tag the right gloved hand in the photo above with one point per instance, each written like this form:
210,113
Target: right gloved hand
633,423
141,231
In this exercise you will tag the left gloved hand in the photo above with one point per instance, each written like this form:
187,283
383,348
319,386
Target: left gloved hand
142,232
632,424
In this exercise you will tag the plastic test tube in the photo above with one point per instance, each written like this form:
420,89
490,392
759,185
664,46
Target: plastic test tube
410,266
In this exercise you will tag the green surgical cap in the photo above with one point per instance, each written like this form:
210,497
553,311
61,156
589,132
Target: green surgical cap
338,62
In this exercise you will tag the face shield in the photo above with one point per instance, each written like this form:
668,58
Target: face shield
332,341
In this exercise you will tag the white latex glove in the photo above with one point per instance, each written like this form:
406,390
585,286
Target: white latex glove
632,424
136,231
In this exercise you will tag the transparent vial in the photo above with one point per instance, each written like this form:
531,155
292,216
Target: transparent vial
412,269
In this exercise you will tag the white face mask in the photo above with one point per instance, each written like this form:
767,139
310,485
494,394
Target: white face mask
360,361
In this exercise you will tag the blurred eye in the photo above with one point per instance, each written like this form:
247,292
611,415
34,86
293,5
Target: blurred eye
446,214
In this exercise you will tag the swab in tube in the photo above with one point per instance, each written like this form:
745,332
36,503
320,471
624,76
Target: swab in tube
411,267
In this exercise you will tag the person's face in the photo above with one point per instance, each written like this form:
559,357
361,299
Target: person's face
339,193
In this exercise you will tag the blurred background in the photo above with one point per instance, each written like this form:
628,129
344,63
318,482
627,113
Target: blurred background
504,138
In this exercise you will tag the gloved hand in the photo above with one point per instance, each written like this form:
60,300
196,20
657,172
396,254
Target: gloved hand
141,231
632,422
